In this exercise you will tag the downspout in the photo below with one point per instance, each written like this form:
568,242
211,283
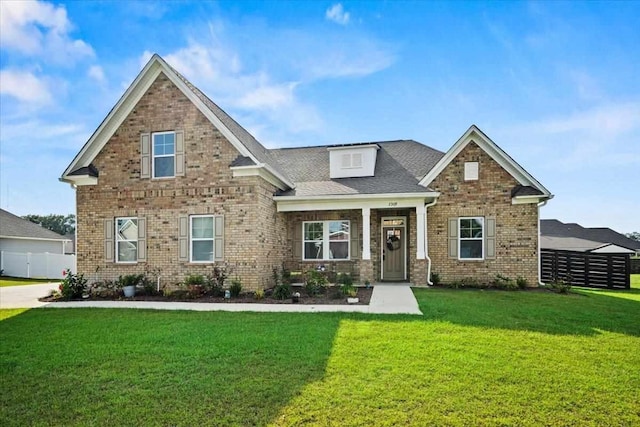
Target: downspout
541,204
426,240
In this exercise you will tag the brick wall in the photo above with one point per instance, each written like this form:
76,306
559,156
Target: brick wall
207,188
490,196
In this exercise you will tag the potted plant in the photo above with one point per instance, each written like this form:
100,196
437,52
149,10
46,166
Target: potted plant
128,284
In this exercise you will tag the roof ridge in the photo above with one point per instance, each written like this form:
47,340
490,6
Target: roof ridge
354,144
237,129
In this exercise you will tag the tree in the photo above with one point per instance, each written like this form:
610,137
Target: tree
634,236
60,224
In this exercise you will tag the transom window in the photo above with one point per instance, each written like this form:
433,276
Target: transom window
164,144
126,240
326,240
202,238
471,238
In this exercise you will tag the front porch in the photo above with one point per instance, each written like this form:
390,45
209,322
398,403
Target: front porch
387,239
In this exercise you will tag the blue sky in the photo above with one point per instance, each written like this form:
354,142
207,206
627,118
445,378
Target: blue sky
555,84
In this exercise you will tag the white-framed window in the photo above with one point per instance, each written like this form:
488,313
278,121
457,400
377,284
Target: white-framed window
326,240
471,171
163,151
126,240
201,238
471,238
351,160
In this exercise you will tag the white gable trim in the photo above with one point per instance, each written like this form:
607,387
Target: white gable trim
353,201
128,101
496,153
258,170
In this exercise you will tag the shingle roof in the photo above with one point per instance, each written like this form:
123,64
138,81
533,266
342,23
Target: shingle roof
14,226
601,235
399,167
525,190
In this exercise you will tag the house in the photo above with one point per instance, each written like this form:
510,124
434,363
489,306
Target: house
170,181
19,235
22,245
557,235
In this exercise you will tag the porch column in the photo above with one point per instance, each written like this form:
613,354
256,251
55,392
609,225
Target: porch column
420,230
366,233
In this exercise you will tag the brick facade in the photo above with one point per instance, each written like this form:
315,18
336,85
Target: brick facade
489,196
257,238
253,231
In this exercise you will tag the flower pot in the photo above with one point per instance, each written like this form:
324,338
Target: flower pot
129,291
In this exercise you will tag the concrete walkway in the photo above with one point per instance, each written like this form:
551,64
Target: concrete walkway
386,299
25,296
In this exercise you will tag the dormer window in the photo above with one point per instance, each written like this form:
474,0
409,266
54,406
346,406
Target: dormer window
351,161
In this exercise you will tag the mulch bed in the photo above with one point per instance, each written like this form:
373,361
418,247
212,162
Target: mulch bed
330,297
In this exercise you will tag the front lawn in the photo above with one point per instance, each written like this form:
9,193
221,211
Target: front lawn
475,358
18,281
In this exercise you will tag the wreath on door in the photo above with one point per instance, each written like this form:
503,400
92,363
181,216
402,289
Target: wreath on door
393,243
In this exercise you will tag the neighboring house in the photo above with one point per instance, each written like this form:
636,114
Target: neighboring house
170,181
574,237
29,250
19,235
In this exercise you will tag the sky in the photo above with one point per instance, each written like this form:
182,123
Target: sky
554,84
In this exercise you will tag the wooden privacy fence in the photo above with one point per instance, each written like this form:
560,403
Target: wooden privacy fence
586,268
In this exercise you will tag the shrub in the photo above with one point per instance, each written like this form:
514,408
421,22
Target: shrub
522,282
194,280
435,278
345,279
103,289
282,291
504,282
259,294
214,283
235,288
315,283
347,289
561,286
72,286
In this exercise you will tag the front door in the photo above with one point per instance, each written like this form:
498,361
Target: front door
393,250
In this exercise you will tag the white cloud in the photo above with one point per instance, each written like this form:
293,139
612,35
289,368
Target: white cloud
25,87
97,73
36,28
608,120
337,14
268,97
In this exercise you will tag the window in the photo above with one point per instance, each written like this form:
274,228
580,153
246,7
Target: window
471,238
126,240
164,155
202,240
325,240
353,160
471,171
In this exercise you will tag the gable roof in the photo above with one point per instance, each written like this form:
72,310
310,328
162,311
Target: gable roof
239,137
399,167
600,235
474,134
13,226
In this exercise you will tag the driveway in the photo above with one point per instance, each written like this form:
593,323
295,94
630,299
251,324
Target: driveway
25,296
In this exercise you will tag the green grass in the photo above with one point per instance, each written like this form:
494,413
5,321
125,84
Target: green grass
17,281
635,281
475,358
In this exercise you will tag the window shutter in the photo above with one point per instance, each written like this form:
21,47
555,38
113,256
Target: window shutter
108,240
218,238
453,238
145,152
142,239
183,238
355,241
490,238
179,157
297,240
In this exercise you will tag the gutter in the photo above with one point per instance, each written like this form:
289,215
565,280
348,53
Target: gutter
541,204
426,241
